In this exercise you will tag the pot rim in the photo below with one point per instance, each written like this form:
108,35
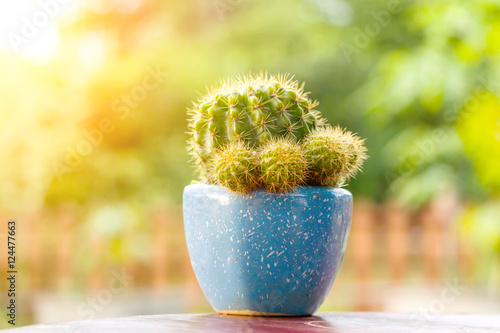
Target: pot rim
297,191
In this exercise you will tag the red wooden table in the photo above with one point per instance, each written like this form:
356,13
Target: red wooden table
322,322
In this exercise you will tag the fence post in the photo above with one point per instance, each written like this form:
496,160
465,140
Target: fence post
397,222
466,260
96,281
363,221
432,244
65,233
160,250
35,252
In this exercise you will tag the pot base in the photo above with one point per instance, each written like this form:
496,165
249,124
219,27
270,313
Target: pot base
252,313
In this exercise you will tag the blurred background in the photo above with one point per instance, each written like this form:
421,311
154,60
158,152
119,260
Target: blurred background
93,98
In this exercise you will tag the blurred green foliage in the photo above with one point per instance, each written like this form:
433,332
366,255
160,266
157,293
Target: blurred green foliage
419,79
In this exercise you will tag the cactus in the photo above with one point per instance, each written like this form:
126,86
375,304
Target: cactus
251,109
263,131
334,155
282,165
235,167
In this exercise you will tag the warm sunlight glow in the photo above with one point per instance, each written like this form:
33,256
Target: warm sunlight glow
10,14
91,51
29,28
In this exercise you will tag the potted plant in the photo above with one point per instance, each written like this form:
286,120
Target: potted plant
267,223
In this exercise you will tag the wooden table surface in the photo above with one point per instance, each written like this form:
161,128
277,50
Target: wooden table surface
322,322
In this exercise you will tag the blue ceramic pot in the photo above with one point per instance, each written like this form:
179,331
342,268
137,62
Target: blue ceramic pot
263,253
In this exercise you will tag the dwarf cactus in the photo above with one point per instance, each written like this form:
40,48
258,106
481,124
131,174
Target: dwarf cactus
263,131
235,167
334,155
251,109
282,165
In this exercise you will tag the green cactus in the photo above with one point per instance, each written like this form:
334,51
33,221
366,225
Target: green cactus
251,109
235,167
334,156
282,165
263,131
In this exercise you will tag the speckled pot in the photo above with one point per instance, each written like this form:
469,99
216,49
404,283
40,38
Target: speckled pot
266,254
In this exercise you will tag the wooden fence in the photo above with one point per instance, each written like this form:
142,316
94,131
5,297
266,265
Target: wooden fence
387,242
